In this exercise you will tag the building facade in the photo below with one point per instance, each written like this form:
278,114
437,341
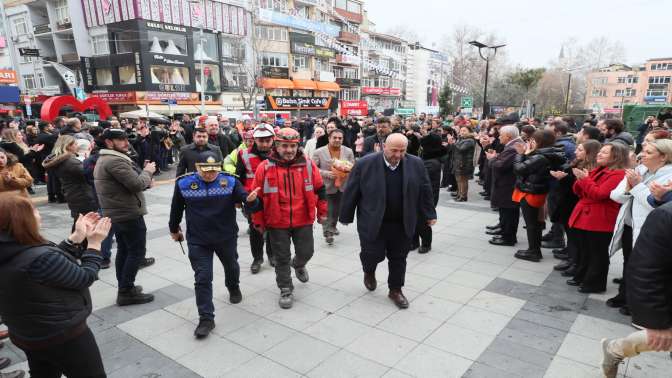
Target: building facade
609,88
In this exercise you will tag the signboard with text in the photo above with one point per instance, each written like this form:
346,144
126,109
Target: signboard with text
354,108
116,97
275,72
381,91
8,77
286,102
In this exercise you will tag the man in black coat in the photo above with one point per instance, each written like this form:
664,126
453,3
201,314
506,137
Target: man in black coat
649,277
390,192
503,183
374,143
217,137
192,153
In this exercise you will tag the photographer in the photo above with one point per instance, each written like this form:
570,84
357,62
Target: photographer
33,273
642,130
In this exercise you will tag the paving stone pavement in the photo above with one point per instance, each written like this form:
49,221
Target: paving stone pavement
475,311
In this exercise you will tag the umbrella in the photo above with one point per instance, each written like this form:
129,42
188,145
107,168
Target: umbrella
141,113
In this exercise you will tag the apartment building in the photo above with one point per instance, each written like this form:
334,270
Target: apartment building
383,80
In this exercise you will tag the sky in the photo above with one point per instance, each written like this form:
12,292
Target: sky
534,30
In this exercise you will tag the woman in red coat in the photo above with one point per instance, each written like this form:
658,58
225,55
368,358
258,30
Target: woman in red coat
594,216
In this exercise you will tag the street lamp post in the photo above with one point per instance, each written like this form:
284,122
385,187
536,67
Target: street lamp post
491,51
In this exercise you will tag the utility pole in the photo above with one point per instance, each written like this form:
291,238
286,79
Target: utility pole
491,51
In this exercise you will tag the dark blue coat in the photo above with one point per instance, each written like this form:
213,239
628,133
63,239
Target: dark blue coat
365,193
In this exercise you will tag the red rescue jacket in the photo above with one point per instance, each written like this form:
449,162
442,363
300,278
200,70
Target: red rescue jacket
291,193
251,162
596,211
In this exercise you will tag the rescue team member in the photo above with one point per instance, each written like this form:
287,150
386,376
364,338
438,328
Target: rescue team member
292,192
209,198
246,165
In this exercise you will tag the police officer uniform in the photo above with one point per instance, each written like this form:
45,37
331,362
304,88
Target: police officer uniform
211,229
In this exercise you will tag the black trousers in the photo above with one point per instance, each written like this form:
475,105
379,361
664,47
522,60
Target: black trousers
627,244
593,266
572,247
423,232
557,228
391,242
76,358
257,240
534,227
201,258
54,190
509,219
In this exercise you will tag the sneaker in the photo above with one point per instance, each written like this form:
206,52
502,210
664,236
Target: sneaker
286,298
610,361
147,261
235,296
301,273
204,327
256,266
133,296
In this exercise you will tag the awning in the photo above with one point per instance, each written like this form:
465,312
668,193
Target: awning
328,86
9,94
212,109
268,83
305,84
175,109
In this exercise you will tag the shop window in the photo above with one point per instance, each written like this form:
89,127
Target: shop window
103,76
277,92
302,93
169,75
127,75
212,79
167,43
124,42
29,81
206,47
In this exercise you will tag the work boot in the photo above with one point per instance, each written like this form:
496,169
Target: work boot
256,266
147,261
370,281
610,361
301,273
205,326
133,296
235,296
286,298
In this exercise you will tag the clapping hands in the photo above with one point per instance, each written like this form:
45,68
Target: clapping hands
91,227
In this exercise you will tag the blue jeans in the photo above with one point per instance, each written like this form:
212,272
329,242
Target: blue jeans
131,243
201,257
106,245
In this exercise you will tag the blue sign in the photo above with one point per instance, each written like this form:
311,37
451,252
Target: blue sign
655,99
79,94
278,18
9,94
169,101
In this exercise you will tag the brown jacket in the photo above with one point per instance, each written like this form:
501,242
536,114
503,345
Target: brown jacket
20,179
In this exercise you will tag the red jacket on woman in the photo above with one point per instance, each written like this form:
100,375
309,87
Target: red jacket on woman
595,211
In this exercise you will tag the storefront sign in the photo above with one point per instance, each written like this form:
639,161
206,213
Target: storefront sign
404,111
655,99
138,68
172,87
158,25
323,52
116,97
273,17
8,77
9,94
354,108
285,102
87,72
158,96
381,91
163,59
275,72
303,48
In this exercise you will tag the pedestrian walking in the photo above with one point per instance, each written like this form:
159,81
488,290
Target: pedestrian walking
191,153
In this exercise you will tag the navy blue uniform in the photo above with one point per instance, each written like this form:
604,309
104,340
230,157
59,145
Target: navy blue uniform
211,229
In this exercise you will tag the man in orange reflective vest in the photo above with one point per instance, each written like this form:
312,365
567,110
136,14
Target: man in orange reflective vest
246,165
292,194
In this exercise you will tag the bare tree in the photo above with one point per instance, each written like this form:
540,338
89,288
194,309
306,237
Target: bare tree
404,32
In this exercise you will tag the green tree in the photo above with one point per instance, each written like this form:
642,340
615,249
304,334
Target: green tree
527,78
445,101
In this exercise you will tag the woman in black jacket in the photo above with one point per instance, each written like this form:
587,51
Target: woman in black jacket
586,158
432,154
533,180
63,163
44,291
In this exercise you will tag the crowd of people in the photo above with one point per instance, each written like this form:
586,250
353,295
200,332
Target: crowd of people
594,188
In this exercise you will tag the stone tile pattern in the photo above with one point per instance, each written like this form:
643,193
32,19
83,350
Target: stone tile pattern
475,312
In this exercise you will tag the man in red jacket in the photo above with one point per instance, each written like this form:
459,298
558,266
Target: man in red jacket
292,194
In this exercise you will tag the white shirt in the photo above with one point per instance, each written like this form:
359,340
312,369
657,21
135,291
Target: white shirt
392,167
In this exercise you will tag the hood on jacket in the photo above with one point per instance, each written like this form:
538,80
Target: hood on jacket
9,248
623,137
52,161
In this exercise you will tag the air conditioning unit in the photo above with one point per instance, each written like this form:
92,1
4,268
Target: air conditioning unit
65,21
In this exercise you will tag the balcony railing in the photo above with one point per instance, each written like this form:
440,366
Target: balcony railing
348,59
71,57
348,37
350,16
41,29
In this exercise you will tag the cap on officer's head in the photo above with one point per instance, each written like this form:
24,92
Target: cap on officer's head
263,130
208,162
114,134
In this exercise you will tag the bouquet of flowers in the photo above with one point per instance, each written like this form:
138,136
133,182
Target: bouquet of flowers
341,169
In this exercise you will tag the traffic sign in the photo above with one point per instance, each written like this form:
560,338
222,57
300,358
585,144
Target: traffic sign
404,111
29,52
467,102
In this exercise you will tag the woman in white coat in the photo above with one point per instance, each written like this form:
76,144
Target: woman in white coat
632,193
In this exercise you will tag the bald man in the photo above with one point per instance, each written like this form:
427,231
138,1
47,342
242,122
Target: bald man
390,191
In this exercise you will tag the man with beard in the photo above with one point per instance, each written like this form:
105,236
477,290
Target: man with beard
246,165
191,153
119,185
390,192
292,195
374,143
216,136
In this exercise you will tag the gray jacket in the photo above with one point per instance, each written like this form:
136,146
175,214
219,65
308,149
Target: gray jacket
323,160
119,184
